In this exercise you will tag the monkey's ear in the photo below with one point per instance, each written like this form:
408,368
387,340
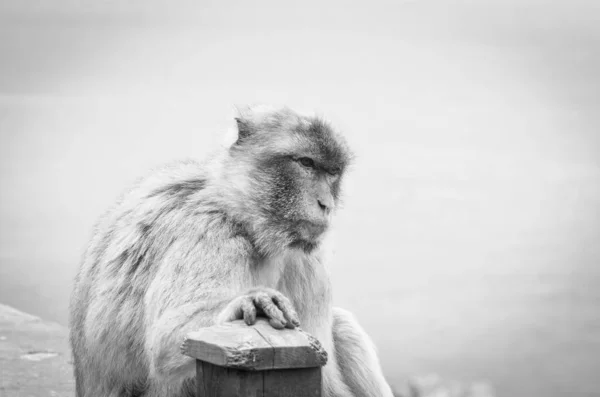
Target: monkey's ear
253,118
244,128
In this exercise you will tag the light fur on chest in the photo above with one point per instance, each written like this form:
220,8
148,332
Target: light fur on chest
269,271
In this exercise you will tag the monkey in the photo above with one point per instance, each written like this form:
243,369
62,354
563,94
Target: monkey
194,244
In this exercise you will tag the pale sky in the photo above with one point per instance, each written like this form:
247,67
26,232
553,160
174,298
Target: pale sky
476,125
93,93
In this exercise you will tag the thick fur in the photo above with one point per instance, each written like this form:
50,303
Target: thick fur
356,357
175,252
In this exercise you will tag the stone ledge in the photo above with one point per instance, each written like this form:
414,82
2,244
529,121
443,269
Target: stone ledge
34,356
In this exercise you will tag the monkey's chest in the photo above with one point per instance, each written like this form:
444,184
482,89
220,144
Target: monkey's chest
302,280
267,272
283,271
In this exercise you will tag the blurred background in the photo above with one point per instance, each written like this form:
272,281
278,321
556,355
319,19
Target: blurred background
469,242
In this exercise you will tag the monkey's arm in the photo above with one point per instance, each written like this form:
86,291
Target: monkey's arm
194,283
188,294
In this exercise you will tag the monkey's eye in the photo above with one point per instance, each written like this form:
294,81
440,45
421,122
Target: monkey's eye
334,171
307,162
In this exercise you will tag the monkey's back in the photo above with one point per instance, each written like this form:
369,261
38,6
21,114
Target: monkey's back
108,318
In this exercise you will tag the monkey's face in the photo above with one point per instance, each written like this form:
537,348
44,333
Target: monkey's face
296,173
301,195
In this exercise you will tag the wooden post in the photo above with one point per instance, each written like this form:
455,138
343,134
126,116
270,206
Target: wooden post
234,360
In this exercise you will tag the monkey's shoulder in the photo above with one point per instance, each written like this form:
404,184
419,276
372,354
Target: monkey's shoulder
184,194
174,181
168,213
169,187
176,198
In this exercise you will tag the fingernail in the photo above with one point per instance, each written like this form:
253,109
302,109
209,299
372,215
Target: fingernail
276,324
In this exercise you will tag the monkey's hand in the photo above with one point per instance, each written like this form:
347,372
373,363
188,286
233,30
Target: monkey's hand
265,302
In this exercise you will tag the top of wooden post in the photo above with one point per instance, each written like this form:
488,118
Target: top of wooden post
257,347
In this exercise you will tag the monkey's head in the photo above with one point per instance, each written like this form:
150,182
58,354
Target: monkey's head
288,170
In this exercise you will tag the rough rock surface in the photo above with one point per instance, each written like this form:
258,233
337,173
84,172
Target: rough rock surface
34,356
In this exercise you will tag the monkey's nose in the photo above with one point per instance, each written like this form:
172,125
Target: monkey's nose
323,205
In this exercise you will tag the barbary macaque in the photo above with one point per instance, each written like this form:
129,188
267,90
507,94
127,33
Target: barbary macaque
196,244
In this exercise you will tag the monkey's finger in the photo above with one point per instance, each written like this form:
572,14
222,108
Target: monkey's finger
288,309
284,304
249,311
231,312
276,324
277,319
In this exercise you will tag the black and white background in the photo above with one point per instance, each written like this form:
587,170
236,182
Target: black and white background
469,243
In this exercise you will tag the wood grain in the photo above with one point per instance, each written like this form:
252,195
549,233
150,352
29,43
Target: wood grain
300,382
292,348
233,345
216,381
234,360
257,347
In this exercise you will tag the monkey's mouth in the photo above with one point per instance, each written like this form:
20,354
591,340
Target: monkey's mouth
310,231
307,235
